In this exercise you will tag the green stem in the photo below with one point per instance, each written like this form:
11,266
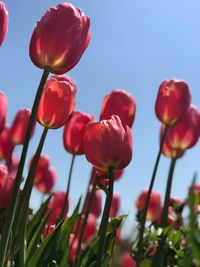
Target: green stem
144,212
87,211
105,218
167,193
63,212
13,203
159,256
28,189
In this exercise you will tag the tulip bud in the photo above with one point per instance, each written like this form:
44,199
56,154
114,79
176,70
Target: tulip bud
48,230
96,204
73,136
167,149
126,260
12,165
115,206
19,126
173,100
3,174
3,22
154,208
6,145
47,181
6,192
57,102
3,110
120,103
108,144
60,38
185,133
90,229
42,167
55,205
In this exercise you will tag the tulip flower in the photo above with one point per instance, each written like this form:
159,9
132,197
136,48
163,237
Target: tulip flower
42,167
60,38
154,208
96,207
48,230
167,149
120,103
185,133
12,165
115,206
73,136
57,102
6,145
47,181
3,22
56,205
126,260
3,174
19,126
108,144
6,192
173,101
3,110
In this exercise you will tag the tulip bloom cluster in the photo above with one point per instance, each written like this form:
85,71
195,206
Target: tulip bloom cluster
91,234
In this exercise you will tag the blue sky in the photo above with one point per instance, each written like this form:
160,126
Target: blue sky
135,45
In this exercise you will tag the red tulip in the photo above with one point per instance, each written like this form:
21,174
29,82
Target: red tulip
3,174
73,136
57,103
56,205
3,109
154,208
3,22
6,192
115,206
47,181
120,103
12,165
42,167
167,149
126,260
48,230
90,229
60,38
185,133
96,204
19,126
108,144
6,145
173,100
118,238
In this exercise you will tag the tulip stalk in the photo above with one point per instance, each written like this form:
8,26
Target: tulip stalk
62,215
27,193
14,200
156,258
87,211
105,218
168,192
144,212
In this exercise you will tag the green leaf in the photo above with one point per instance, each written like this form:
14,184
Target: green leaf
89,258
36,238
62,243
45,250
36,220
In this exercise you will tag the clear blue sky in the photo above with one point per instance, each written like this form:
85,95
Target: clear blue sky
135,45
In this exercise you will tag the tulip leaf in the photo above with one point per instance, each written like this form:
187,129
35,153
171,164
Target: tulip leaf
89,258
45,251
36,238
62,242
36,220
